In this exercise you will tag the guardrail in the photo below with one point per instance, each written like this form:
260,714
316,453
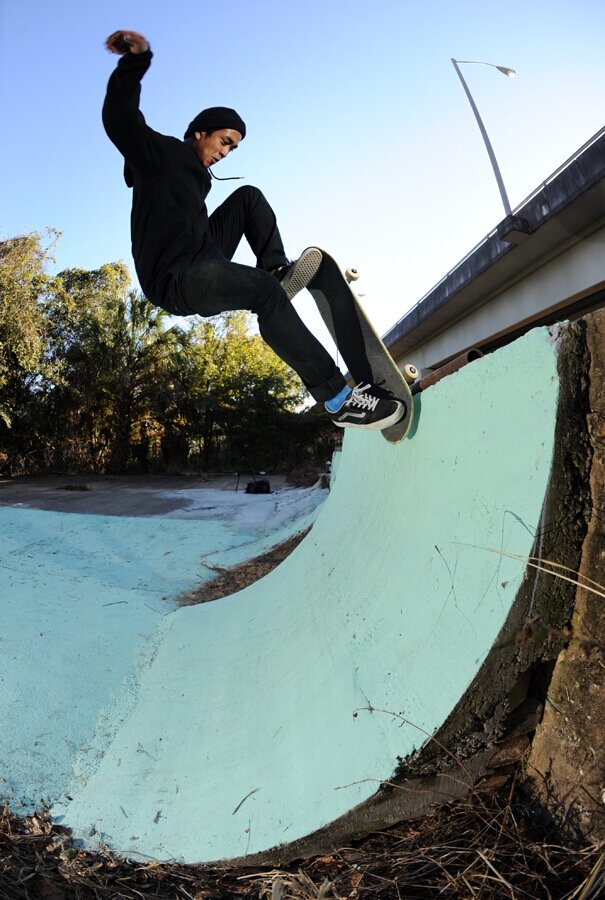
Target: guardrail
517,210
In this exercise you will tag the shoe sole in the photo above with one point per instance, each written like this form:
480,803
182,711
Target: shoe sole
302,272
397,416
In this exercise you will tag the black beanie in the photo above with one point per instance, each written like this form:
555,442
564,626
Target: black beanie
216,117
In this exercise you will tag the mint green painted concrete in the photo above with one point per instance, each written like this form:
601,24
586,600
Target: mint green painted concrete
251,725
81,599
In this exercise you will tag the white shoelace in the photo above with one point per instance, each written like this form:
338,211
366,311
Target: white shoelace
359,398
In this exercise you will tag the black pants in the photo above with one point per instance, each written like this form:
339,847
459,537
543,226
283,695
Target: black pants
212,284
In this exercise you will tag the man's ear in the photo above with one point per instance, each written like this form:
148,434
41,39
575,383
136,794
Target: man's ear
199,135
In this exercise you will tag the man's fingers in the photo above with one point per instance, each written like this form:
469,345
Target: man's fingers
116,43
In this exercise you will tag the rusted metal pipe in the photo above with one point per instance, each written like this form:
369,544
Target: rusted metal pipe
448,369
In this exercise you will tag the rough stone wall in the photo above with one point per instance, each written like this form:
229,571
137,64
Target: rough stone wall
566,766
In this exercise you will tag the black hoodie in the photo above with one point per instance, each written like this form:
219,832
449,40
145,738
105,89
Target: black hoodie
169,220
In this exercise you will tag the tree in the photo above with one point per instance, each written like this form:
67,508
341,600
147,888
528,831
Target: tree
109,345
93,377
226,395
22,279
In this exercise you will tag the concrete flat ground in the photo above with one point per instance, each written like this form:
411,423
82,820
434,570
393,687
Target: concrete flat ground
117,495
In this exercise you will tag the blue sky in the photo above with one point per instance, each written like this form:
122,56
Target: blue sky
359,132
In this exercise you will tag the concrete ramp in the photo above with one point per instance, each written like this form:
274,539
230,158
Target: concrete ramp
264,716
261,718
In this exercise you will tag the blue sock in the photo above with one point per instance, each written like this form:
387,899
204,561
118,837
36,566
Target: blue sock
336,402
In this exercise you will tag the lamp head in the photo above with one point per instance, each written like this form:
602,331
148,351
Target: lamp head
510,73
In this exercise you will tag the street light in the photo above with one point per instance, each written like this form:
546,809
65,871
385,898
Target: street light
510,73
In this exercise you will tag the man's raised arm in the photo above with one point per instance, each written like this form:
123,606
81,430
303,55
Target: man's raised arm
123,121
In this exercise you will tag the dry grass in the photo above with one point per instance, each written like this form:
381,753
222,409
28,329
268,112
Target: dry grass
486,846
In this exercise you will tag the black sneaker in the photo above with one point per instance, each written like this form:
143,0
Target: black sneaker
369,406
296,275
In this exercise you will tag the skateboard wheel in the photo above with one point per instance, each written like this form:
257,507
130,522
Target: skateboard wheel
410,373
351,275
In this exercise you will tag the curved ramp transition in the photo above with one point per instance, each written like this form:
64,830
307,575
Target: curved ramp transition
263,717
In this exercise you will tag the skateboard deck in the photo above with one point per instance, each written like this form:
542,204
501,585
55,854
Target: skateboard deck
357,341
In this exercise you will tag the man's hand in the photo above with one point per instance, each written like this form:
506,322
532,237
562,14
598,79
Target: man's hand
122,42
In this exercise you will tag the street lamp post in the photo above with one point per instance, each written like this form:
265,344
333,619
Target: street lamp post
511,74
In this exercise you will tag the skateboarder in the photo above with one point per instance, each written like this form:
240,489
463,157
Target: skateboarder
183,256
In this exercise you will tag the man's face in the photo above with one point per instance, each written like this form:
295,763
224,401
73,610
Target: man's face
211,148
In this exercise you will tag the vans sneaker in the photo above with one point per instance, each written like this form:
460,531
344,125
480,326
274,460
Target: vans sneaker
369,406
297,275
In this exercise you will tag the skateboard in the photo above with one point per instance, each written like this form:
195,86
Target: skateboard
358,342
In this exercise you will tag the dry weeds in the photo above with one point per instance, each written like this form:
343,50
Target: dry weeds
486,846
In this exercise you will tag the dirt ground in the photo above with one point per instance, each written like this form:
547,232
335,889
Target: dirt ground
236,578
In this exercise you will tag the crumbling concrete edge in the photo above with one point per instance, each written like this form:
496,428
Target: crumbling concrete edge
566,768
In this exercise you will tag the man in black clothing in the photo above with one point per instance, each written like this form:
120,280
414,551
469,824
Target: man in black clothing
183,256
